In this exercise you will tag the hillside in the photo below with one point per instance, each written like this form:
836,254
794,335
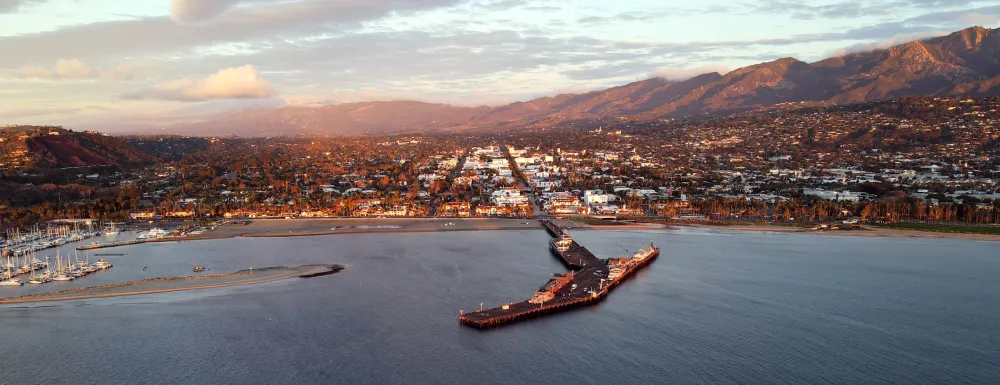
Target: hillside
27,146
963,63
354,118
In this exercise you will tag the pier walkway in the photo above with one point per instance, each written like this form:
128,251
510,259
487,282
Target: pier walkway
577,257
589,282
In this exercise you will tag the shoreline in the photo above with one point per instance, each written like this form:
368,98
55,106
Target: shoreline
289,228
177,284
868,231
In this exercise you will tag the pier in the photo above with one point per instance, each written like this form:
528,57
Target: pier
590,281
576,257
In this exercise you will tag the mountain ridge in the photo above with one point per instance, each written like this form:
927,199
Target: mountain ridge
964,62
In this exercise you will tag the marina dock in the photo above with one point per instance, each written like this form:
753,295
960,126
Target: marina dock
590,281
97,245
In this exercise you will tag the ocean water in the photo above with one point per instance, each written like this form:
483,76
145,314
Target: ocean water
716,307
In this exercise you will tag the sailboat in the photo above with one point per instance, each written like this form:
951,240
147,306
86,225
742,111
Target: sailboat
9,279
111,231
61,276
36,279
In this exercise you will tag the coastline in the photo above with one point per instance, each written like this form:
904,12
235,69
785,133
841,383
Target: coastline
177,284
866,232
282,228
300,227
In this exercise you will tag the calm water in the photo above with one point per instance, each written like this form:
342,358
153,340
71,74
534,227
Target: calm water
717,307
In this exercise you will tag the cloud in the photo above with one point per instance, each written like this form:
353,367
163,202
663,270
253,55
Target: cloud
265,21
63,69
976,18
230,83
193,11
887,43
74,69
11,6
675,74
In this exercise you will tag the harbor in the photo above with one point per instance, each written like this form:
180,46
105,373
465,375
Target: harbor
19,244
589,281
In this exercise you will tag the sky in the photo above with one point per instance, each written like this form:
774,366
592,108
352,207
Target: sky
97,63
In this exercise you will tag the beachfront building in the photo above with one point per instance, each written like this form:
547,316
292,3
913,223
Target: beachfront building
508,197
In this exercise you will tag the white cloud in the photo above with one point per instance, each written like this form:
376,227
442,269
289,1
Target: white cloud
675,74
887,43
230,83
74,69
976,18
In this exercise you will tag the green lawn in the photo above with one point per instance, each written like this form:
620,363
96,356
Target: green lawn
942,228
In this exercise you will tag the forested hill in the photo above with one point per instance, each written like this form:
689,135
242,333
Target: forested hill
36,146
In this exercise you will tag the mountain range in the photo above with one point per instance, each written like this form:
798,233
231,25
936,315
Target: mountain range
966,62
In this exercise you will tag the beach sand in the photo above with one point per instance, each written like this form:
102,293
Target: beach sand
328,226
866,232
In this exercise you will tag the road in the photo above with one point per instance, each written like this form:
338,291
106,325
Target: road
432,212
539,214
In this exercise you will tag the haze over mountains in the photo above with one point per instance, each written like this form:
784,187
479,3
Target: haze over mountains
966,62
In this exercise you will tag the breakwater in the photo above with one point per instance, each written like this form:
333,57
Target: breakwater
590,281
94,246
125,284
181,283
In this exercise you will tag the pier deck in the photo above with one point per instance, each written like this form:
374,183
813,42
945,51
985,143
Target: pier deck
577,257
590,284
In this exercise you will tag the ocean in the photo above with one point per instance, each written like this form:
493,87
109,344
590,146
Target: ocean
717,307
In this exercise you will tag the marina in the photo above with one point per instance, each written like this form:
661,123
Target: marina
590,280
19,244
40,272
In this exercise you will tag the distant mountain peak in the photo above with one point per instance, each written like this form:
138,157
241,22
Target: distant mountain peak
966,61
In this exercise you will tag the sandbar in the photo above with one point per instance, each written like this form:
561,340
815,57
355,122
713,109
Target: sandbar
175,284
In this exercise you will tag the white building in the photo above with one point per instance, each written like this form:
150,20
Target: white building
598,197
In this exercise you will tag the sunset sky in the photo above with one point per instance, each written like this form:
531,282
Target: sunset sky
87,63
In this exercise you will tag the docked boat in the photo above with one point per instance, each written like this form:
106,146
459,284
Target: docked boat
11,282
154,233
102,264
112,230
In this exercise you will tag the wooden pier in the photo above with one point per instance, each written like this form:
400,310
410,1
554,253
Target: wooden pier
577,257
588,283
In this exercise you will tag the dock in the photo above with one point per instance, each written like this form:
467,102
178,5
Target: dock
589,281
94,246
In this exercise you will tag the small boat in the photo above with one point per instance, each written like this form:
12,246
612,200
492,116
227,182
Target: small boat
198,269
104,265
154,233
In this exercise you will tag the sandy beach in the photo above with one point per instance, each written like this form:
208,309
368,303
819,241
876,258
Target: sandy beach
866,232
330,226
175,284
